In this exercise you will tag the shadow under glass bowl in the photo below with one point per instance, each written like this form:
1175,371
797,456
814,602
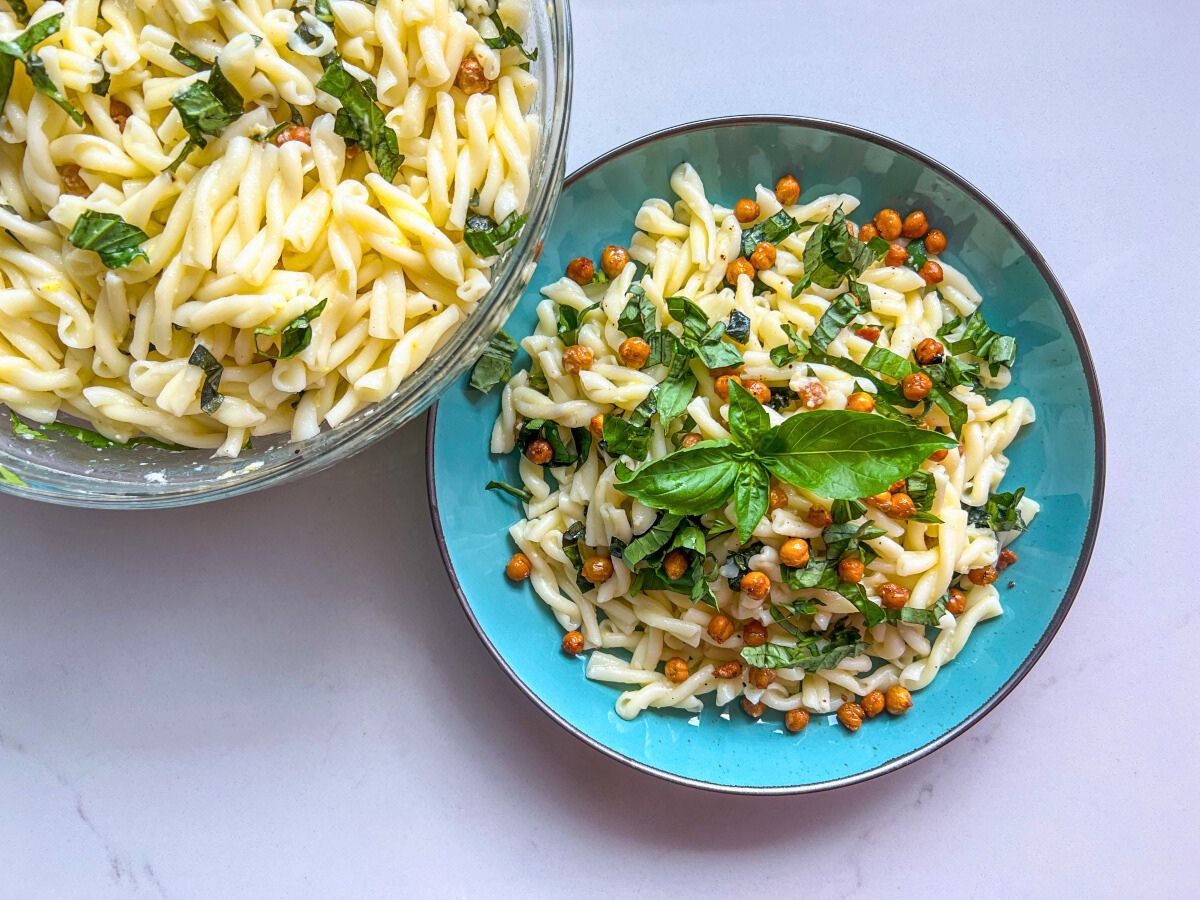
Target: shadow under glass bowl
1059,460
66,471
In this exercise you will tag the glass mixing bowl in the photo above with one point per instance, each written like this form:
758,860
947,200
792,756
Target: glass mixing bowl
63,470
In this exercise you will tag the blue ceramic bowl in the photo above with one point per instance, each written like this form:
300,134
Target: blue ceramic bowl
1060,460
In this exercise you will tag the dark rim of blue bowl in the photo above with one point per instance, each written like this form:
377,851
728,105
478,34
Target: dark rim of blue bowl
1085,555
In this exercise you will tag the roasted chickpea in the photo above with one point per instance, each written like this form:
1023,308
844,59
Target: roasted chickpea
634,352
916,386
873,704
898,700
860,401
777,499
763,256
1007,558
794,553
758,390
613,260
929,352
915,225
299,133
675,564
956,605
581,270
931,272
518,567
984,575
720,628
787,190
756,585
572,643
73,182
746,210
851,569
893,596
881,501
754,634
795,720
869,333
938,455
691,439
539,452
576,358
897,487
902,507
889,224
895,256
761,678
813,395
722,385
676,669
868,232
819,516
740,266
851,716
731,669
597,569
935,242
754,710
470,78
119,112
596,426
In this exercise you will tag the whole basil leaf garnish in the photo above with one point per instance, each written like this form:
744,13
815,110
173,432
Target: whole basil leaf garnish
751,496
748,421
689,481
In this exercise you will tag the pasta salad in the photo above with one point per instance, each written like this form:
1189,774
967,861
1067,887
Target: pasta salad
758,457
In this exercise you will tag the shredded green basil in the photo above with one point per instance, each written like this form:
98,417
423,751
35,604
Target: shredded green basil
360,120
110,237
294,337
495,364
210,398
519,493
485,237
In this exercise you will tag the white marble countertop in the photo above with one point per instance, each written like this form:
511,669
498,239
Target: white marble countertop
278,697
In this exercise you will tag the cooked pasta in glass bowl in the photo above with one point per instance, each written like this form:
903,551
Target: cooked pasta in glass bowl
242,241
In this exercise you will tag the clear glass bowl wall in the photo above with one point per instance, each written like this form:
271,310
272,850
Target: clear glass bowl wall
66,471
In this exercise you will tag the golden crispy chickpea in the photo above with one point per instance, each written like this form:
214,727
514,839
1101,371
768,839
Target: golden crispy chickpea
915,225
895,256
897,486
898,700
634,352
581,270
916,386
731,669
754,710
984,575
740,266
518,567
931,272
881,501
869,333
819,516
675,564
851,716
572,643
470,78
860,401
763,256
889,224
539,452
691,439
597,569
813,395
1007,558
850,569
746,210
576,358
596,426
761,678
758,390
720,628
676,669
777,498
938,455
893,596
613,260
299,133
795,720
119,112
930,352
902,506
756,585
794,553
722,385
787,190
872,704
956,605
754,634
73,182
935,242
868,232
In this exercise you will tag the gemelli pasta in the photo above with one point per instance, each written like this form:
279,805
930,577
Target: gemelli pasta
226,218
759,459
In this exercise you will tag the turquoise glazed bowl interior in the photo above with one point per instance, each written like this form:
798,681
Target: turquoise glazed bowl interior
1060,461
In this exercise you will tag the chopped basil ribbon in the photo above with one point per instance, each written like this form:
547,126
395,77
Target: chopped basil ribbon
86,436
495,365
508,37
21,48
770,231
183,55
485,237
110,237
210,399
833,255
205,110
1001,512
810,654
20,10
568,319
980,340
360,120
637,319
738,326
100,88
519,493
294,337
